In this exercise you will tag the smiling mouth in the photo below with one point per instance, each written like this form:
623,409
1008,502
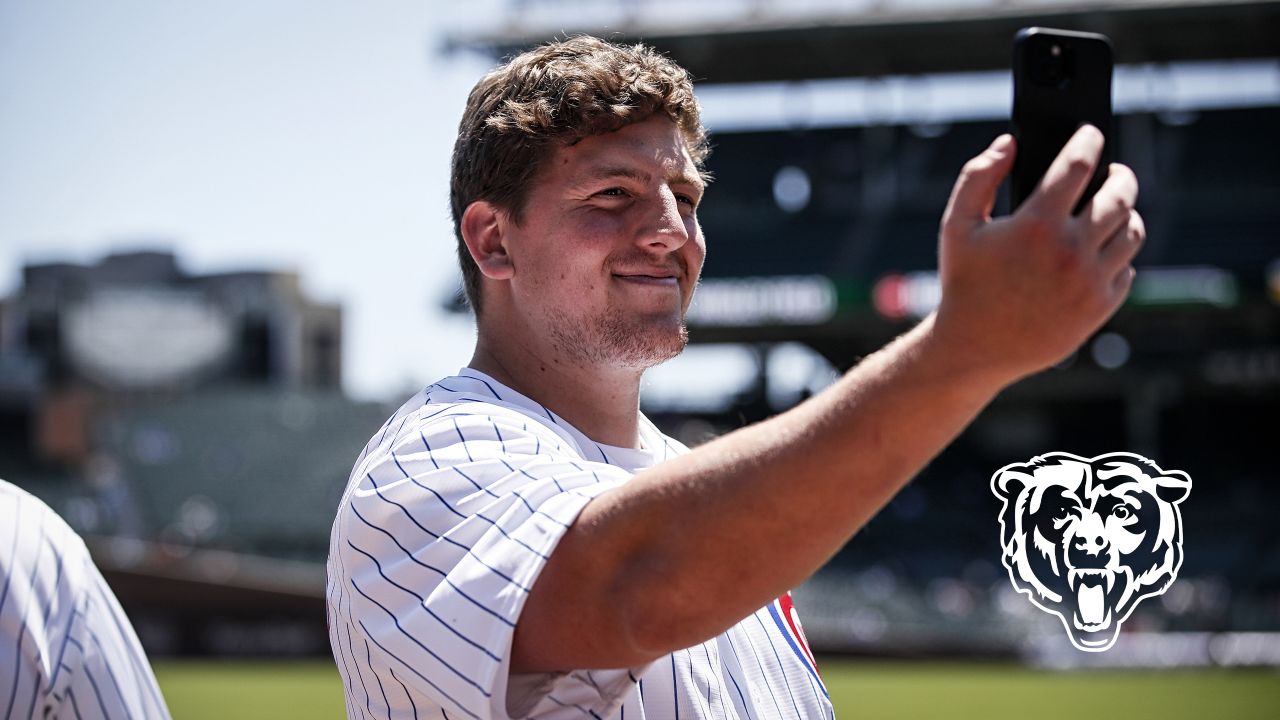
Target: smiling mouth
667,281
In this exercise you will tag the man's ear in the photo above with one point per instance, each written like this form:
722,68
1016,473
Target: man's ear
484,229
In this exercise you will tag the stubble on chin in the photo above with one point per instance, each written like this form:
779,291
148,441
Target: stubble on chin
611,339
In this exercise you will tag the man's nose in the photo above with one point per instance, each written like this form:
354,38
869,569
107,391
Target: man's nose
665,226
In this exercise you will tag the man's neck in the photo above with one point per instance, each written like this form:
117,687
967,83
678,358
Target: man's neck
603,403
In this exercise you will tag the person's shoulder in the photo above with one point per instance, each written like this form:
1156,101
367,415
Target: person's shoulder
472,403
460,410
40,535
19,506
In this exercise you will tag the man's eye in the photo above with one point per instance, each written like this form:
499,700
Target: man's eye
687,200
612,192
1122,512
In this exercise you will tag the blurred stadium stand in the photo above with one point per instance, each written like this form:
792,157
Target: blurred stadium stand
838,129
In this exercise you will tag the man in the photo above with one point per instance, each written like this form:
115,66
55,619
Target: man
519,541
67,650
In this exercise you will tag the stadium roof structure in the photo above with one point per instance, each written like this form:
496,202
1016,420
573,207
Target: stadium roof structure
763,41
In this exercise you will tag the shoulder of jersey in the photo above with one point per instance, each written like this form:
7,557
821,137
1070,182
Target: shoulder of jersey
436,409
35,513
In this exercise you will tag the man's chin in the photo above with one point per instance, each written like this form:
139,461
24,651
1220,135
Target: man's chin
642,351
635,343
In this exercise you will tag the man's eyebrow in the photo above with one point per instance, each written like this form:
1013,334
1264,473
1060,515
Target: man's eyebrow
606,172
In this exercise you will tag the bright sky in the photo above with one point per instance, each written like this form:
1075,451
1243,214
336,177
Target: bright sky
299,135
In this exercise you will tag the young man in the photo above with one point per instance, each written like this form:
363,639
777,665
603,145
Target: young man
67,650
519,541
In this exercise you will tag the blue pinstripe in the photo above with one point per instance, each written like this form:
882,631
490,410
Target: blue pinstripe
111,674
462,440
4,597
804,660
486,384
778,657
575,706
745,705
137,663
418,642
403,549
413,670
444,576
97,693
404,509
57,578
718,677
471,480
407,695
341,656
675,687
368,654
75,707
759,664
693,684
35,693
423,600
62,651
359,672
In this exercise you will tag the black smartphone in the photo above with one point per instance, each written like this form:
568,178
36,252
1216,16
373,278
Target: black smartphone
1061,80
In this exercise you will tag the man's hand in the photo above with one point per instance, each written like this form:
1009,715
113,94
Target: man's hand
1020,293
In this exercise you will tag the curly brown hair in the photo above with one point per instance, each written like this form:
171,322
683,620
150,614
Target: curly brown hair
560,92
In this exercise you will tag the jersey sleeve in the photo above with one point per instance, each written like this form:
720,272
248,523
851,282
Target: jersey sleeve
434,553
71,651
106,669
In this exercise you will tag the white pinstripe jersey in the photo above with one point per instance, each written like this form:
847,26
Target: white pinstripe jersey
67,650
451,512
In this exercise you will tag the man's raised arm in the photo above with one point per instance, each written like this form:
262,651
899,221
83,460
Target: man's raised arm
695,544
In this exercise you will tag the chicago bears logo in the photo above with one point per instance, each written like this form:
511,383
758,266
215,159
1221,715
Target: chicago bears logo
1087,539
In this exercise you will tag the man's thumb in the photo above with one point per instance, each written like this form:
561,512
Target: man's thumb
975,191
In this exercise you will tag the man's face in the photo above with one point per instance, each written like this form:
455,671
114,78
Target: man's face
609,249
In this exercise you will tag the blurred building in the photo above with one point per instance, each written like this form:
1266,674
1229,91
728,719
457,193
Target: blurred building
194,429
134,324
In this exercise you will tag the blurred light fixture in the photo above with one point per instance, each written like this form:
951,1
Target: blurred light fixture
791,189
1110,351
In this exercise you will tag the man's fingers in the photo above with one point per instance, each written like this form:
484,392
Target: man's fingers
1123,244
1109,210
974,193
1067,177
1121,284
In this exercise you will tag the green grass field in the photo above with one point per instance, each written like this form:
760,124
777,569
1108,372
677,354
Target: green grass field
197,690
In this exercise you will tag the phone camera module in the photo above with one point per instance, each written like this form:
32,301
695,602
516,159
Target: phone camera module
1052,64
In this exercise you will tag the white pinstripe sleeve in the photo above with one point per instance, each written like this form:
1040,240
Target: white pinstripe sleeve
434,551
66,647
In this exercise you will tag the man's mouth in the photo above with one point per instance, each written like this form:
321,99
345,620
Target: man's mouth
659,280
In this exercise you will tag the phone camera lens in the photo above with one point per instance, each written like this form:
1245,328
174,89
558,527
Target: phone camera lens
1052,65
